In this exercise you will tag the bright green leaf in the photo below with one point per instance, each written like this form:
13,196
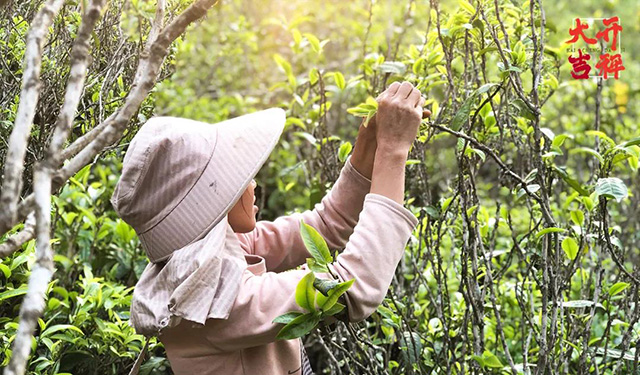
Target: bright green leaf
570,247
298,327
286,318
315,244
618,288
306,293
344,151
549,230
325,303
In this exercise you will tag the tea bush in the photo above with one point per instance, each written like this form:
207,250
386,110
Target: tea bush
524,181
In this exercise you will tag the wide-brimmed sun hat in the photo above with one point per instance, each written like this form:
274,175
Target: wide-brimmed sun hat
180,177
179,180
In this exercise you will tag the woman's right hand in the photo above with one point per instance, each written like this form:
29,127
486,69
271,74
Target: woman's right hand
399,116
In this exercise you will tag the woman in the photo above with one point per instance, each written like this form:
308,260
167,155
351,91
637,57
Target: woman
216,279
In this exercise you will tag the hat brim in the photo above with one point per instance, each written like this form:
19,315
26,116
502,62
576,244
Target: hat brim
242,145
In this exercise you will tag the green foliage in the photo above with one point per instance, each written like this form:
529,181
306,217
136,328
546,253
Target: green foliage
307,297
85,328
570,247
366,110
487,284
463,114
611,187
326,303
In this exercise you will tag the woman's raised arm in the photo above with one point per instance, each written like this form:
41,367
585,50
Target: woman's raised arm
279,241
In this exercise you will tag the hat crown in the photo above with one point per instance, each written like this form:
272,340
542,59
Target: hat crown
164,160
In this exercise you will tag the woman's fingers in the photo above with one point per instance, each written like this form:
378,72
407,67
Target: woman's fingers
422,101
404,90
390,91
414,97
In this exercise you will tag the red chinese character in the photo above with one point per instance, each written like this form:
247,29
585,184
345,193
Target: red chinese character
610,64
579,32
581,68
604,34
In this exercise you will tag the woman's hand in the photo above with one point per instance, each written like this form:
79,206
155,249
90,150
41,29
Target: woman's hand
399,115
367,143
397,122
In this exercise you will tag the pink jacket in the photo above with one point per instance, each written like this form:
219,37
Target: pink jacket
245,342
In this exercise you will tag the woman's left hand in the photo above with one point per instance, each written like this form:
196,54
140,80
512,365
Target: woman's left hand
364,151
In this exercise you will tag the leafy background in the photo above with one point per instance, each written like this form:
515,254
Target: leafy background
488,284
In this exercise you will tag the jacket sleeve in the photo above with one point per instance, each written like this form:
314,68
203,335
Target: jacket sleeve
371,256
279,241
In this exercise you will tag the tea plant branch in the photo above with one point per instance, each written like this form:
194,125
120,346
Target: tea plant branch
474,295
113,127
626,338
504,167
14,162
80,143
597,114
538,49
33,304
492,297
505,61
609,245
405,321
34,301
335,364
366,36
475,115
80,59
353,359
87,138
146,75
408,16
14,242
451,93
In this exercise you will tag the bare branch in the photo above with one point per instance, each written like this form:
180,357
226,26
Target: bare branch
115,125
146,75
14,163
88,137
33,303
82,142
503,166
14,242
80,61
158,23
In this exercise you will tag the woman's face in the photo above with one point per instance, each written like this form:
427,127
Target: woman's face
242,216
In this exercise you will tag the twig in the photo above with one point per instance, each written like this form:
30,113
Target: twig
14,242
497,159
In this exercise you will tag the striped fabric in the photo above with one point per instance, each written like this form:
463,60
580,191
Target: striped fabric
198,282
180,177
306,366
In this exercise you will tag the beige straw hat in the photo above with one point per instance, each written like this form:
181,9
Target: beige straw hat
179,180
